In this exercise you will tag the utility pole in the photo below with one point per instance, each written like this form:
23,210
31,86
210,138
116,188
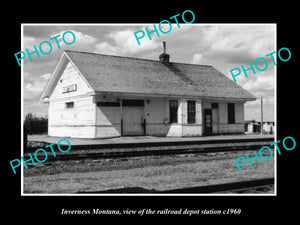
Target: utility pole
261,115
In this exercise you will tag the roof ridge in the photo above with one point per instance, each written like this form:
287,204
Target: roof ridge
130,57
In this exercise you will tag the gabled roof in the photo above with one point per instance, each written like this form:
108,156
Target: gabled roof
107,73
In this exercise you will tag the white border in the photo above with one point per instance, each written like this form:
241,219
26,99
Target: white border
142,24
22,112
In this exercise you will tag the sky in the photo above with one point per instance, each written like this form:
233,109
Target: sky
223,46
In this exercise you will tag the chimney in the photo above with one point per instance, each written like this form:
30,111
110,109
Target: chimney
164,57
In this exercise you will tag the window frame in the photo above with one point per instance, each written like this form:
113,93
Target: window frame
231,113
68,104
191,111
173,117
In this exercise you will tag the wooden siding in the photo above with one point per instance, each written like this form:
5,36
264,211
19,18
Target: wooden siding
239,112
76,121
224,127
232,128
87,119
155,111
80,114
108,121
70,76
191,130
157,116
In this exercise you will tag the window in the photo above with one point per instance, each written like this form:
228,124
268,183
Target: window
173,111
109,104
69,105
214,105
231,113
69,88
191,111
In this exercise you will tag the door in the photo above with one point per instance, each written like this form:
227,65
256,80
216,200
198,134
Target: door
133,117
207,121
215,118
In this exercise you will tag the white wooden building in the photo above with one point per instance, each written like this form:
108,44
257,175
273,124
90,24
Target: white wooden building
95,96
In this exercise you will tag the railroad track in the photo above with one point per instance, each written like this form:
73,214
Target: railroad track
126,150
127,154
161,144
245,187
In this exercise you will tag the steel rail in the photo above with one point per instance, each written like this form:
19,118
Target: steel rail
142,153
160,143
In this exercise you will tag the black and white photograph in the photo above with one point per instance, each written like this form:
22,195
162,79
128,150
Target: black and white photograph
168,112
161,117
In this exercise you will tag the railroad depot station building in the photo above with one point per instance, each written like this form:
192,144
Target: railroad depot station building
99,96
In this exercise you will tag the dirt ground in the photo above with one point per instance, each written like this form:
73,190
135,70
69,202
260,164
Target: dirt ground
151,172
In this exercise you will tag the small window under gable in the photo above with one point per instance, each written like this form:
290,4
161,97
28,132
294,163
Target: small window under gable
69,105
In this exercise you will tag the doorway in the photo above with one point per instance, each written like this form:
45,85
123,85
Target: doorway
215,117
207,122
133,117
